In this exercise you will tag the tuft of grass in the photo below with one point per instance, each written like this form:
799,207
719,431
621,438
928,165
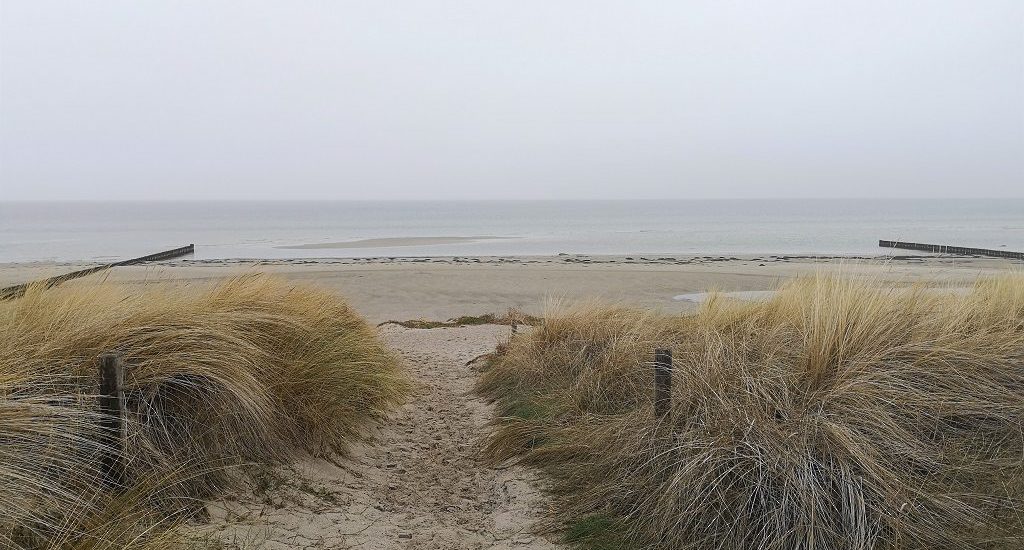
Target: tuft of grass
837,415
247,371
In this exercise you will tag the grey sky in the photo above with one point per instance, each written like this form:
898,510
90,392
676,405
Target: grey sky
546,99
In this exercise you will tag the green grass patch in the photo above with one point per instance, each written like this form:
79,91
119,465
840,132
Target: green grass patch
595,532
527,409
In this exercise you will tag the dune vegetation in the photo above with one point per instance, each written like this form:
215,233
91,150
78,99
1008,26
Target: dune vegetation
837,415
243,372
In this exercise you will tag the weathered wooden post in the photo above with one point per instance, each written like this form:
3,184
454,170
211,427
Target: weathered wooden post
513,320
112,432
662,382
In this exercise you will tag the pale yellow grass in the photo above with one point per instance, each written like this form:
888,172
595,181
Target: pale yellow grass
838,415
246,371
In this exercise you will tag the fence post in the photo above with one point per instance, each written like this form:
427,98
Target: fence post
111,401
662,382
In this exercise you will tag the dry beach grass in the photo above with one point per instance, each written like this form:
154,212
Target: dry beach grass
246,371
839,414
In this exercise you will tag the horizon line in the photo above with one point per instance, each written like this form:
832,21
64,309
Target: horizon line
640,199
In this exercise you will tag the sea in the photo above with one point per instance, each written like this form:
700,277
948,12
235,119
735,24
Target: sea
107,231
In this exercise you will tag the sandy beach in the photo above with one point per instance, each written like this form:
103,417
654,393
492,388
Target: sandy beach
438,288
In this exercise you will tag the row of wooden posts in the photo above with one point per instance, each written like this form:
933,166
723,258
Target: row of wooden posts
949,249
662,382
17,291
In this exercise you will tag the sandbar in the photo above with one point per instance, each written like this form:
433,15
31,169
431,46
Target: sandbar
390,242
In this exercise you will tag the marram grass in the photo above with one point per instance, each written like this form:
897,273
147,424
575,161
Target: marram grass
249,370
837,415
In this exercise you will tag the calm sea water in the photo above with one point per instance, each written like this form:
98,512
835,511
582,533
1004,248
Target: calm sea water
67,231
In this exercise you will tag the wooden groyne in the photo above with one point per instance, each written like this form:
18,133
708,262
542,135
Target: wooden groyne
165,255
946,249
18,291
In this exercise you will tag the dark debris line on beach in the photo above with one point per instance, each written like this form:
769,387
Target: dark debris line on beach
575,259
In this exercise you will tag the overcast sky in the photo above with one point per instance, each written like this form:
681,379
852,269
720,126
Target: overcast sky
518,99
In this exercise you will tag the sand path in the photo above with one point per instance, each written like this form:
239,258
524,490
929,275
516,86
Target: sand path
419,483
